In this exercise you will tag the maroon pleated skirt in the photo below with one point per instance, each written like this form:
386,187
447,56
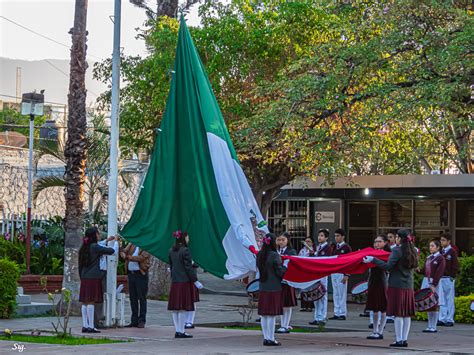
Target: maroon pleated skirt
182,296
270,303
91,291
400,302
376,298
289,296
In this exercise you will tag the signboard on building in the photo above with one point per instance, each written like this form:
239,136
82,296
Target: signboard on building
325,216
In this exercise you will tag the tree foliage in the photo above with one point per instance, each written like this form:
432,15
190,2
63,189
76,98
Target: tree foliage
321,87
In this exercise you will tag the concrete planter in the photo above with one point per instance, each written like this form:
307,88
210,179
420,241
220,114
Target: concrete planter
31,283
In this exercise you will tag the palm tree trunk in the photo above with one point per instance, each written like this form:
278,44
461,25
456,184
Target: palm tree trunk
75,151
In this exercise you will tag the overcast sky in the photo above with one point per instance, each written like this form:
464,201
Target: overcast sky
54,18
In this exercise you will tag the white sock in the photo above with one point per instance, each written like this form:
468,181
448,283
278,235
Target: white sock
383,321
264,325
271,328
174,314
376,322
406,328
90,315
435,320
85,324
371,317
190,317
287,316
181,320
398,328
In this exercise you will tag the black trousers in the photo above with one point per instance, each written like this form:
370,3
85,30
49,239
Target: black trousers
138,289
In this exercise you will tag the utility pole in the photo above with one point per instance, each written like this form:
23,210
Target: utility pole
110,317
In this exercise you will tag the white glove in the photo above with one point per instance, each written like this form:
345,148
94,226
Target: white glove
286,262
198,285
368,259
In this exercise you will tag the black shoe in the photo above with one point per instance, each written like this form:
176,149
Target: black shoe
364,314
449,324
441,324
131,325
189,326
371,326
375,337
282,331
341,318
398,344
430,330
258,319
271,343
93,330
334,318
141,325
182,335
405,344
314,322
389,320
85,330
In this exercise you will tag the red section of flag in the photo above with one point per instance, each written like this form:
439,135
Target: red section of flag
304,269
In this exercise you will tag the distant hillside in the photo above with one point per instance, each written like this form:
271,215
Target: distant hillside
39,74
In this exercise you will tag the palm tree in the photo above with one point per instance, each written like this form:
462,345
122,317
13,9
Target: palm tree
75,151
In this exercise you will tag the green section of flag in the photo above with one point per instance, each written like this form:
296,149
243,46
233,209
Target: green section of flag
180,191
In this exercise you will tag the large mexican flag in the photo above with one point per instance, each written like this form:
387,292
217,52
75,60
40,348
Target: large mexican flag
195,182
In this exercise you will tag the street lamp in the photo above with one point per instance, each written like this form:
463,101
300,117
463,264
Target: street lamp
32,105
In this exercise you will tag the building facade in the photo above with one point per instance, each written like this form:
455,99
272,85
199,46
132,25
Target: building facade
368,205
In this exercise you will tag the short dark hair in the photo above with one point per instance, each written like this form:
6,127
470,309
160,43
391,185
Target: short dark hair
447,236
340,231
325,232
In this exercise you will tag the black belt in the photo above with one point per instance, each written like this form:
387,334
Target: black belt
133,271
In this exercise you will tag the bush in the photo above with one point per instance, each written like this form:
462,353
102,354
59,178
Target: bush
463,310
9,276
465,279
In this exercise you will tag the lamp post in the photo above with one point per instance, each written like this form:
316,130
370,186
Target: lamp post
32,105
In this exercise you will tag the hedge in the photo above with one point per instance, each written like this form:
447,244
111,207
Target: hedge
9,276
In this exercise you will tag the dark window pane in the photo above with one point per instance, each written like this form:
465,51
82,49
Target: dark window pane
431,213
362,214
396,214
465,241
465,213
423,238
360,239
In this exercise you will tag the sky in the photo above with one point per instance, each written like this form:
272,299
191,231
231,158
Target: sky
54,18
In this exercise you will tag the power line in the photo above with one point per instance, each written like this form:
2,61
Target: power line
42,35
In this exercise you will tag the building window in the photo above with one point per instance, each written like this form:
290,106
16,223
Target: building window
395,214
465,226
289,216
431,214
362,224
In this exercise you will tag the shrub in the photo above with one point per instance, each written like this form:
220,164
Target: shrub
465,279
463,310
9,276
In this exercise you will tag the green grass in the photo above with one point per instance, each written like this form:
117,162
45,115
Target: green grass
294,330
70,340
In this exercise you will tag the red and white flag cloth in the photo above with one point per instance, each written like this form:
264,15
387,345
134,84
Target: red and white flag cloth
303,271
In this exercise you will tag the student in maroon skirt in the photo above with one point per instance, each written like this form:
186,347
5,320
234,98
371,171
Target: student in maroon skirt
400,295
270,300
184,283
91,276
377,292
288,292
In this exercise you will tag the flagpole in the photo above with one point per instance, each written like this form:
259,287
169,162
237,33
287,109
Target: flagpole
110,318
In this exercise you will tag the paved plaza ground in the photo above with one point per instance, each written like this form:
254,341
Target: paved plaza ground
343,337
